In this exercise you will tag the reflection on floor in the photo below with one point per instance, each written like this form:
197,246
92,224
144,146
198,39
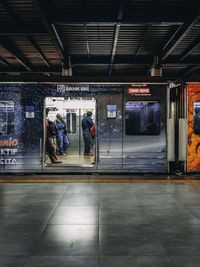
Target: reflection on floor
73,160
100,225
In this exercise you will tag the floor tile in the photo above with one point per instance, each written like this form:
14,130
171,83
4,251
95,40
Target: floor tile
129,240
175,188
68,240
79,199
169,214
18,239
122,214
186,261
75,215
17,261
188,198
177,231
24,215
6,199
182,246
83,188
194,210
61,261
116,188
116,199
43,198
136,261
159,200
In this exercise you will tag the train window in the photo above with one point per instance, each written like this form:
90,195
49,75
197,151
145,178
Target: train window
196,114
142,118
71,123
6,117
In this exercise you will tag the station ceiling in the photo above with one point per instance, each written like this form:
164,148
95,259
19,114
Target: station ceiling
107,38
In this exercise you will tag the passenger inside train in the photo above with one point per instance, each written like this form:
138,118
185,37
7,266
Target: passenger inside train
62,139
87,124
51,132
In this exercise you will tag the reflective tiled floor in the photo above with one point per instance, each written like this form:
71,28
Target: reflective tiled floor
100,225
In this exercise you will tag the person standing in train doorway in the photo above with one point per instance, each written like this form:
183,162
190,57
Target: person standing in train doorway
51,131
63,141
87,124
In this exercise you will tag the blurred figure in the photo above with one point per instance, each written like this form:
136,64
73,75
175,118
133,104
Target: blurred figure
63,141
50,132
87,124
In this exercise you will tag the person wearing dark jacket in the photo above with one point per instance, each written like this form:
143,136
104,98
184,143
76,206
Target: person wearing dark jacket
87,123
62,138
50,132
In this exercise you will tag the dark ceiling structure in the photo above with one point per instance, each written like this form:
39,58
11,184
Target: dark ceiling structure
107,38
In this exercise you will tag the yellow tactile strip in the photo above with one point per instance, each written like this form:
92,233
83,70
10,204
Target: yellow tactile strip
94,181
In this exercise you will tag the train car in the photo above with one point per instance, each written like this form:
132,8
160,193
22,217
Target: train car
131,127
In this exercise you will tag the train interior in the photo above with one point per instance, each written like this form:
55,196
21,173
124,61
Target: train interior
72,110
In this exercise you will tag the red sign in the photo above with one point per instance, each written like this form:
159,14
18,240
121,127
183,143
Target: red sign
141,90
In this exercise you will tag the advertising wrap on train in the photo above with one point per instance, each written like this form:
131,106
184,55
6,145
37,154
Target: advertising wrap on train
8,149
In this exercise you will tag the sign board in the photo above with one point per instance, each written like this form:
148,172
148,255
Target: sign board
30,112
139,91
111,111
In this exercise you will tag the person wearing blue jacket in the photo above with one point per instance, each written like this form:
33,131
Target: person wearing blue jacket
62,138
87,123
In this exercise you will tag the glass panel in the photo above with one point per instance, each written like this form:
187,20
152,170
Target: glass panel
71,123
6,117
142,118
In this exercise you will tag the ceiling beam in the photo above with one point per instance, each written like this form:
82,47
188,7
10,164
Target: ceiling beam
86,39
156,14
135,19
114,48
4,62
52,32
13,50
143,40
86,79
14,30
84,14
38,70
93,64
189,71
39,51
18,24
190,49
116,35
178,37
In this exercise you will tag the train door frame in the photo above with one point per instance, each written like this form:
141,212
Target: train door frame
64,166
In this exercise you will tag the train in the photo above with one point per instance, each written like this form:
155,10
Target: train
140,127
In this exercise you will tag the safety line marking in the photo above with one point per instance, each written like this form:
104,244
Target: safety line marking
93,181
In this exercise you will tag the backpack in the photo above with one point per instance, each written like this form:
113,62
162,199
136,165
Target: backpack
92,130
52,129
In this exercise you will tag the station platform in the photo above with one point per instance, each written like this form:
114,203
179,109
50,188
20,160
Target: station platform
103,222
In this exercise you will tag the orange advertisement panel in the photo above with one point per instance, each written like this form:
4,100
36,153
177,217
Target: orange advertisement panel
193,157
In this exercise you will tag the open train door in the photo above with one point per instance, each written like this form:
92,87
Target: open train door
72,110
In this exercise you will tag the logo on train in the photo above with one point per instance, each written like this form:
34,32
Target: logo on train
8,148
62,88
